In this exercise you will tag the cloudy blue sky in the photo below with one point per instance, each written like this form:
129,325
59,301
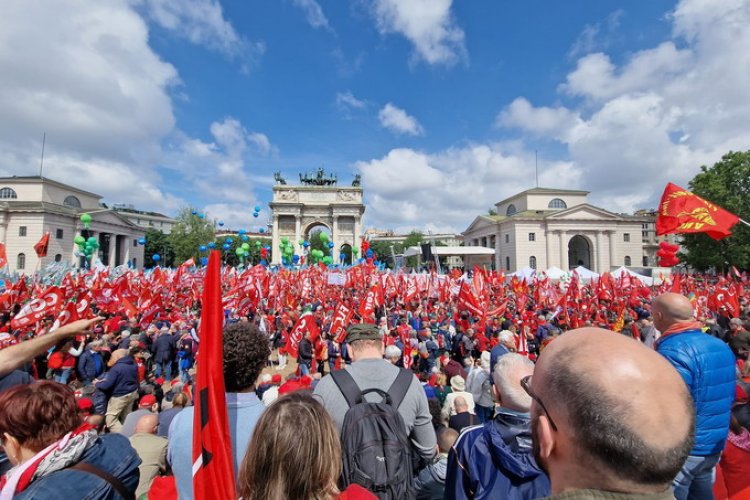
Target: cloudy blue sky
440,105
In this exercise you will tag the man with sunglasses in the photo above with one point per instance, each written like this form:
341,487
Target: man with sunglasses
495,460
611,418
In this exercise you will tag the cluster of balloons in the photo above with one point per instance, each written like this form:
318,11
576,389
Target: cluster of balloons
256,213
287,252
86,247
667,254
86,220
200,215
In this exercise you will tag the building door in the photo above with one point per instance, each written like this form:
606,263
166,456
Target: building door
579,252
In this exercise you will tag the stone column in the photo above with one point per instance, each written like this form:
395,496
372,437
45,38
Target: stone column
275,257
126,251
297,230
550,250
597,254
563,251
335,239
357,237
612,252
497,251
112,250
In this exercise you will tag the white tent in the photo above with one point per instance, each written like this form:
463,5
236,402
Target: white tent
585,274
526,272
622,270
447,251
555,273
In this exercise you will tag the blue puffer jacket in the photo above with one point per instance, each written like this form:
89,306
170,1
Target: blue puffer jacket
111,453
496,461
708,367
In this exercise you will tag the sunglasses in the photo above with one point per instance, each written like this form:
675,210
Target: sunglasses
526,384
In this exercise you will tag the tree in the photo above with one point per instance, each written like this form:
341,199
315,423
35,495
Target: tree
492,211
158,243
726,184
189,233
414,239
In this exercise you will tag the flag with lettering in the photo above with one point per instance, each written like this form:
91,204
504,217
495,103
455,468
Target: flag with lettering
341,320
681,211
213,469
305,323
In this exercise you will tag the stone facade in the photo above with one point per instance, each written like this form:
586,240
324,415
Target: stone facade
541,228
296,210
32,206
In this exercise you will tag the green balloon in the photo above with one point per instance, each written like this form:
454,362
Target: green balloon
257,243
301,242
355,250
284,240
323,236
85,218
79,240
246,246
239,251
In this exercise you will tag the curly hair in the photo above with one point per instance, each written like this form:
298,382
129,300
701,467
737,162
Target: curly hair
246,352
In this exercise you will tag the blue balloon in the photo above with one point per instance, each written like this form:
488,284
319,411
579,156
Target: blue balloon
257,208
306,244
244,237
202,248
142,241
200,216
262,230
194,212
295,259
255,214
221,223
204,261
228,240
212,245
241,232
330,245
226,246
369,253
156,257
264,262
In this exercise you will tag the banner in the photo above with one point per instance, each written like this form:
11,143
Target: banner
681,211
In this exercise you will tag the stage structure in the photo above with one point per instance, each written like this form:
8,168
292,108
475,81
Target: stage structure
318,202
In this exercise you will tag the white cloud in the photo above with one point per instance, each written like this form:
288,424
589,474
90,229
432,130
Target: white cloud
202,22
399,121
596,36
313,13
658,116
427,24
346,101
444,191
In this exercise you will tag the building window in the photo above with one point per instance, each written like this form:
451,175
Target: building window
507,263
21,261
7,193
532,262
626,237
507,238
72,202
645,260
557,203
532,236
492,242
138,221
645,235
59,234
511,209
627,260
484,241
135,243
21,230
58,257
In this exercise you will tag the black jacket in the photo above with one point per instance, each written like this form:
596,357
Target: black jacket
305,352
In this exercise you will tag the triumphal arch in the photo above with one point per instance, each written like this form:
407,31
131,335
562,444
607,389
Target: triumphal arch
318,202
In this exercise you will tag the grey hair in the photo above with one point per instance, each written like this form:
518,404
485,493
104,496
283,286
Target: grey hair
392,352
508,382
506,336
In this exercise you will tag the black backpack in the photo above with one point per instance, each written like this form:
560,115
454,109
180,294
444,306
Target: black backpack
376,450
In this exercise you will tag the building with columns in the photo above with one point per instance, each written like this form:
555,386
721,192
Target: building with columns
318,202
542,228
32,206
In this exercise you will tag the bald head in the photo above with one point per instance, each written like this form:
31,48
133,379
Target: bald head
117,355
460,404
671,308
624,409
147,424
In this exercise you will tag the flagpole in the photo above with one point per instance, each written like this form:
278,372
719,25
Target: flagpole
745,222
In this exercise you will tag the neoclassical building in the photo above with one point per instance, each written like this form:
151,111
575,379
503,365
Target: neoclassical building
542,227
31,206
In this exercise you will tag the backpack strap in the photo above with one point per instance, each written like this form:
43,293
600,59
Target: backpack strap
400,387
346,384
106,476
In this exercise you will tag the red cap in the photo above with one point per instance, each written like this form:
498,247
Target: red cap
276,379
85,404
148,400
159,381
740,396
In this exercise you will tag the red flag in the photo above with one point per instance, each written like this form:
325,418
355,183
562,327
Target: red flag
41,247
67,315
3,256
341,321
681,211
213,470
47,303
305,323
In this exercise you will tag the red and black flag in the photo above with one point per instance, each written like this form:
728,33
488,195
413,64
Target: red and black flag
213,469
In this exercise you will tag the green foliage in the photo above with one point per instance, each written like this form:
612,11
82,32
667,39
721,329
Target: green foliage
230,256
415,238
726,184
158,242
316,242
492,211
189,233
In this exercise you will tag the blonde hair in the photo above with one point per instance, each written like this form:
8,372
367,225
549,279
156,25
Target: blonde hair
294,453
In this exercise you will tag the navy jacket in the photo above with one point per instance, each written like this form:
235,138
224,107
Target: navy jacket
496,461
163,348
111,453
90,365
121,379
707,366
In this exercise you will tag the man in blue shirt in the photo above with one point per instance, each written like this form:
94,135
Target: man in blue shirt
246,351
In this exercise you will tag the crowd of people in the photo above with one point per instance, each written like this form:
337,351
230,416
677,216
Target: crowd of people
388,386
